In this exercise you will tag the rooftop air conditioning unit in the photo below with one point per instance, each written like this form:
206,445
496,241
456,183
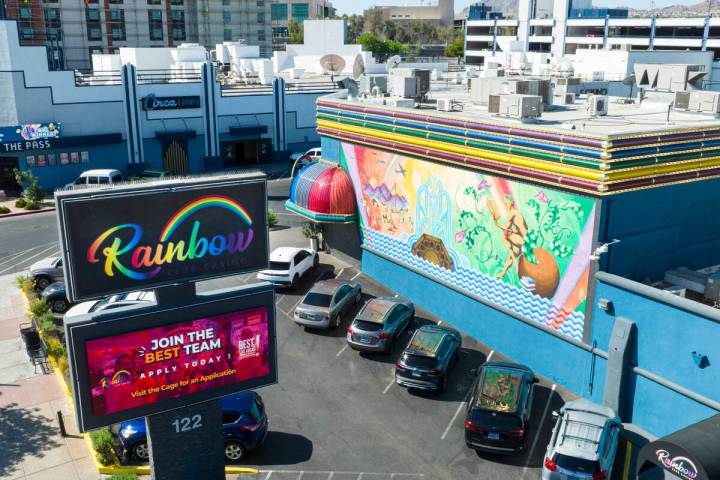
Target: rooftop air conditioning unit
521,107
682,100
369,82
406,87
567,98
704,101
494,103
597,105
444,105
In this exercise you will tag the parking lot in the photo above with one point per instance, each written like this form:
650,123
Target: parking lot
337,413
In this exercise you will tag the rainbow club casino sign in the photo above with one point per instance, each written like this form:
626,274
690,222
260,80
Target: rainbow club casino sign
160,233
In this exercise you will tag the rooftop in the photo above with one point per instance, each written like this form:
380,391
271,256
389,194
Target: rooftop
635,146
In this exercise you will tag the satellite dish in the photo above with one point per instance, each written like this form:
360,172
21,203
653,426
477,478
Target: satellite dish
393,62
358,67
332,63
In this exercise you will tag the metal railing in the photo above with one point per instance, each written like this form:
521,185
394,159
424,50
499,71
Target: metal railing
100,78
235,90
180,75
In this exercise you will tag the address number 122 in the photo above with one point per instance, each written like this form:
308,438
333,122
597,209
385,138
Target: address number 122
185,424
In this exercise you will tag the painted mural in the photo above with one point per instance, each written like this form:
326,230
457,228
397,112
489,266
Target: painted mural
520,246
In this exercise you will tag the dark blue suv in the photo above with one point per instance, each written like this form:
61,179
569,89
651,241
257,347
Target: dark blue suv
244,423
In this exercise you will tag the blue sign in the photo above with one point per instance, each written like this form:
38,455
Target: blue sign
151,102
32,136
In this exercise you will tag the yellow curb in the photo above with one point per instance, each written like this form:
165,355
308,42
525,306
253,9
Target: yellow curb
115,469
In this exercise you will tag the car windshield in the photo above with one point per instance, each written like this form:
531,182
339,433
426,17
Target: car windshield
317,299
100,304
279,266
367,326
573,464
375,310
499,390
425,342
419,361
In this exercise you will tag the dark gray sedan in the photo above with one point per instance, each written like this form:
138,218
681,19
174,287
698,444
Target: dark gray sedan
325,304
379,323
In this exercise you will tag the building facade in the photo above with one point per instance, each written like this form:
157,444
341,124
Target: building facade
298,10
562,27
58,123
72,31
441,13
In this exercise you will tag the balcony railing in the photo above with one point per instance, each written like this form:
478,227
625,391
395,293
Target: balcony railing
94,79
184,75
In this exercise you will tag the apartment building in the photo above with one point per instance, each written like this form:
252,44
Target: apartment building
561,27
73,30
283,11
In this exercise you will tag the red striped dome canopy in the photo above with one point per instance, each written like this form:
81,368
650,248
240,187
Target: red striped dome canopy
323,192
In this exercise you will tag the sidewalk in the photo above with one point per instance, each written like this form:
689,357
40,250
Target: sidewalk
31,446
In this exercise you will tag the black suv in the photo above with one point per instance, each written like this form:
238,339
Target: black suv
427,359
498,413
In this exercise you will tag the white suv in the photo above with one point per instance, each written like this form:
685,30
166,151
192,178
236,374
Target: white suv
112,302
583,443
288,265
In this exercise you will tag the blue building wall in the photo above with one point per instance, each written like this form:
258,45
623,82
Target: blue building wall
661,229
101,156
666,337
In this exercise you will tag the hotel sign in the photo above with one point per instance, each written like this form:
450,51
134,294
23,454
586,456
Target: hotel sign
161,233
31,136
151,102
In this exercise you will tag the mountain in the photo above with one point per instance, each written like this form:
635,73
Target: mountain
698,9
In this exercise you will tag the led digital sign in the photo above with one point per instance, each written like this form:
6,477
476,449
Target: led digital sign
133,362
138,237
147,366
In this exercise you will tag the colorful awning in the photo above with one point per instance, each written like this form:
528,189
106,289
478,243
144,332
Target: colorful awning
323,192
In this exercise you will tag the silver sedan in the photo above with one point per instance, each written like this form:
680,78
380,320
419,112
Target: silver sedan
325,304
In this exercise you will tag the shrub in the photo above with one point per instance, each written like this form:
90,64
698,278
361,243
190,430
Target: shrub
102,443
32,193
32,206
38,307
272,218
56,349
123,476
26,285
46,323
311,229
4,210
20,203
62,363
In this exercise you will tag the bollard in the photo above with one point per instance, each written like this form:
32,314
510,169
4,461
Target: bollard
61,424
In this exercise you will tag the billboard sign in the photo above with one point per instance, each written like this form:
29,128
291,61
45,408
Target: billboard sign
144,361
31,136
151,102
145,236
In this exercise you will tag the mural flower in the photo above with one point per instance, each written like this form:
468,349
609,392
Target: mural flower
460,235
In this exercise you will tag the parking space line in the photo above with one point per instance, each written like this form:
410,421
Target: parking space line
28,258
341,350
269,475
360,475
439,323
457,412
388,386
24,252
355,276
332,474
301,475
340,273
537,433
487,359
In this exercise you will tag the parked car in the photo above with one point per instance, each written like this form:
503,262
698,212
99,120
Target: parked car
498,413
425,363
111,302
325,304
46,271
313,154
245,426
288,265
583,442
379,323
56,297
92,178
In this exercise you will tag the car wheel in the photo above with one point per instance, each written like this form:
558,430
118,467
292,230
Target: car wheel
42,283
295,281
59,306
234,451
141,451
316,261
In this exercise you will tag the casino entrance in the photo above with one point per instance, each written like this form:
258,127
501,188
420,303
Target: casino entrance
8,184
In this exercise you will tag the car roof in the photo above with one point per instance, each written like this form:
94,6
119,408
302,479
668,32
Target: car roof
239,402
502,386
327,286
582,426
376,310
284,254
426,340
507,365
99,171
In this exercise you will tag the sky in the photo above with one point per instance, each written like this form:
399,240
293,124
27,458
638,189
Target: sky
357,6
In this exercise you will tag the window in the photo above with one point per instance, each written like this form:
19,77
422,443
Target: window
52,23
317,299
230,417
227,34
261,17
226,17
117,24
279,32
95,50
261,35
177,2
155,24
27,33
300,12
25,13
341,293
260,3
116,2
102,180
279,11
178,24
153,2
226,2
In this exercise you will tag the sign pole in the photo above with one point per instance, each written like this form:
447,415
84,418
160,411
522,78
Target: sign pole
177,437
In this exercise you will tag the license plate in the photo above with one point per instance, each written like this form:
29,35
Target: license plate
364,340
493,436
416,373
